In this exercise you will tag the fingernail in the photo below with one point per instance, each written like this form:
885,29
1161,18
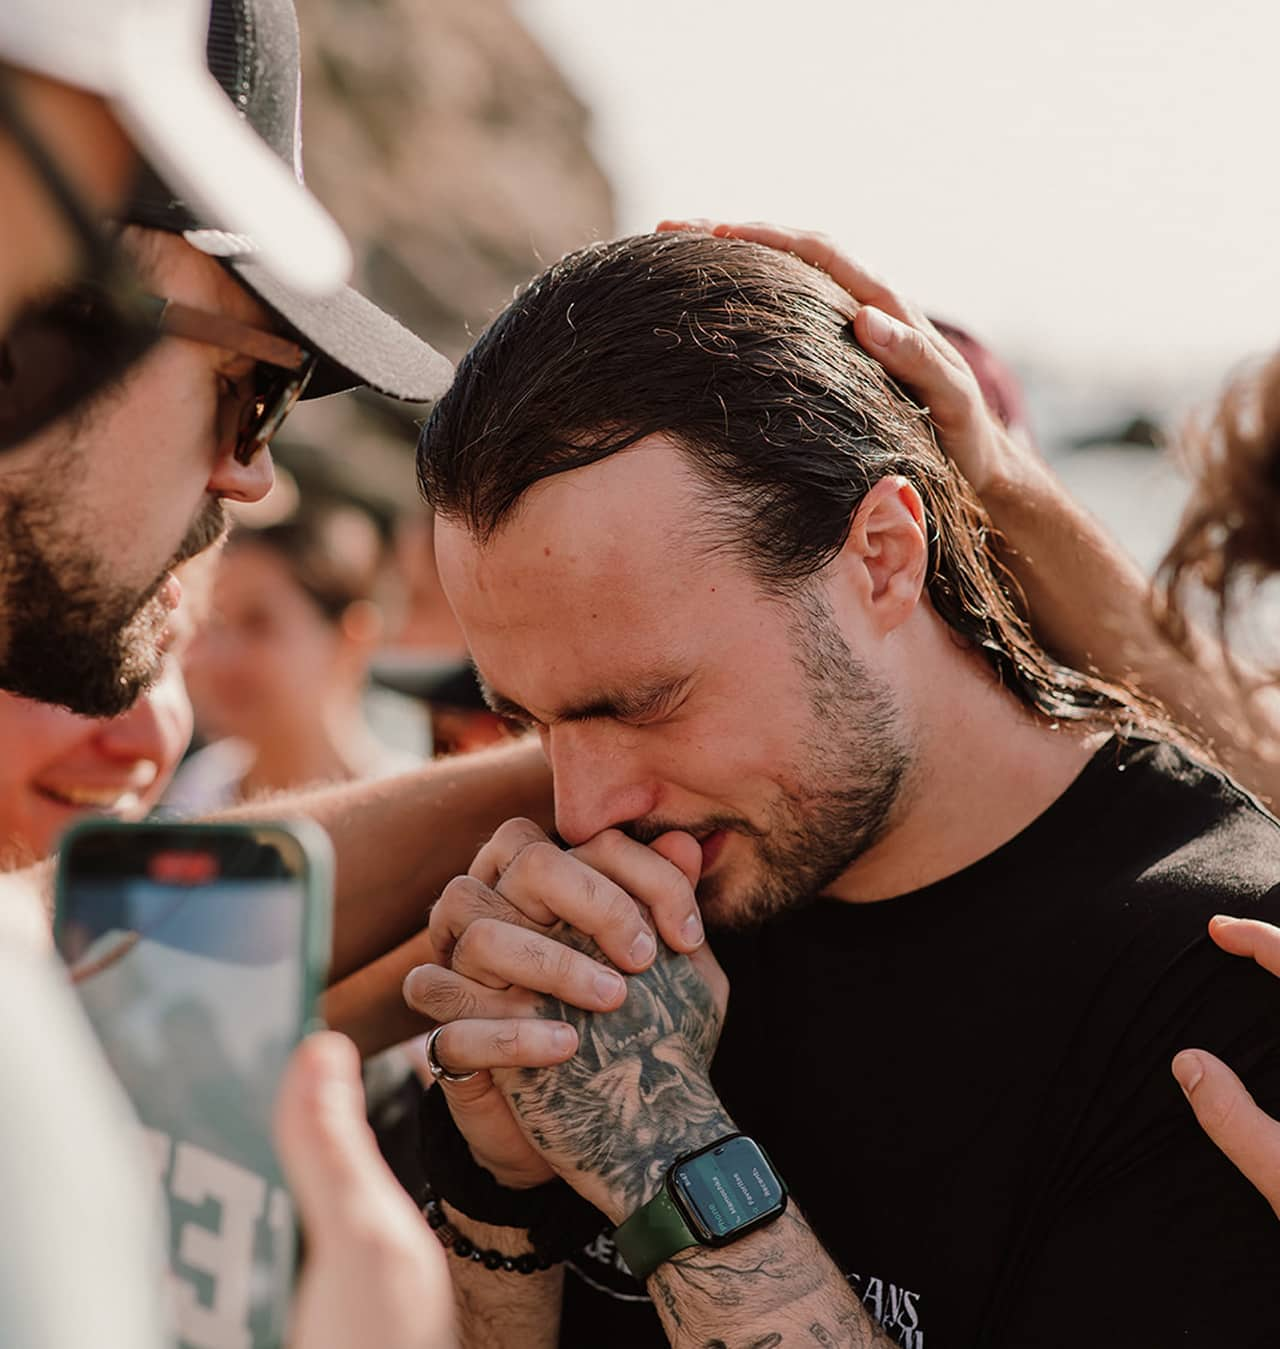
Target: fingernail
609,986
879,327
643,949
1222,920
692,930
1187,1070
563,1039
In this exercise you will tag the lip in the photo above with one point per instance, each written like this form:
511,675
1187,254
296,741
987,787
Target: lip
103,800
712,846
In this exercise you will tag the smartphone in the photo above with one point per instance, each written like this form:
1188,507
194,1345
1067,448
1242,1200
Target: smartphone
199,952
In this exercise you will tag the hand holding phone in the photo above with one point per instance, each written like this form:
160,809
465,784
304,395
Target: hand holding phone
198,953
374,1273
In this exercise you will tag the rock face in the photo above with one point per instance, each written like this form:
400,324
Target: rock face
451,150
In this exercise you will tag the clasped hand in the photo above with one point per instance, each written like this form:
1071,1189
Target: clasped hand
581,1072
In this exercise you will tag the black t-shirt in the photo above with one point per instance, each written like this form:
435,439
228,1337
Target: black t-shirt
967,1088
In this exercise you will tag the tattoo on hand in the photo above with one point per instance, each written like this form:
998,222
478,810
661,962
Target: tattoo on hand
636,1095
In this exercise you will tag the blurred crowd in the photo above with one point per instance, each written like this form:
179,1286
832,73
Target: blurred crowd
179,640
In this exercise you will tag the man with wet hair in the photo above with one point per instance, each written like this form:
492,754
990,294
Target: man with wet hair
701,544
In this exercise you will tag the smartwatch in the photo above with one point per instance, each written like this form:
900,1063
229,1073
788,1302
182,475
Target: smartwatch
711,1197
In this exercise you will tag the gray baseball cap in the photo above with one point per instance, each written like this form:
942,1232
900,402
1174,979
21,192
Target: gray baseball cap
146,58
254,56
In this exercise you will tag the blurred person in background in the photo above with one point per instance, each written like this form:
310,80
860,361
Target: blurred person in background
280,670
426,658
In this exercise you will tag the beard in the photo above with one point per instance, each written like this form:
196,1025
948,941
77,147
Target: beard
72,637
853,761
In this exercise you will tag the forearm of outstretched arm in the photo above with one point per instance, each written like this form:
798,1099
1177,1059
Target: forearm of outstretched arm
774,1289
398,842
1091,605
369,1005
497,1308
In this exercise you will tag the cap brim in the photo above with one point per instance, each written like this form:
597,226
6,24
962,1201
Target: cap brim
358,343
207,154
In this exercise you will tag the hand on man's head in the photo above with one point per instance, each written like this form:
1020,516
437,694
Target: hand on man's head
903,339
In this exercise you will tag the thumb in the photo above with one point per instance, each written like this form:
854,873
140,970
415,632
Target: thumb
681,850
1229,1115
326,1147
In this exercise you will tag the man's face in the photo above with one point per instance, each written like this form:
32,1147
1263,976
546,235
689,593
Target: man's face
97,511
671,691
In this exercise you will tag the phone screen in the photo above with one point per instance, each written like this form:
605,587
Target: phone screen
188,949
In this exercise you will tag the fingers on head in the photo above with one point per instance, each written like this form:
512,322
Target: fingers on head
950,391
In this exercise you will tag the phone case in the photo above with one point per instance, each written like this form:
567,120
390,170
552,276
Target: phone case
198,1031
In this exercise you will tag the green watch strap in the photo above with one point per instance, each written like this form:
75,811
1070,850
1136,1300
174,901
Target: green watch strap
652,1235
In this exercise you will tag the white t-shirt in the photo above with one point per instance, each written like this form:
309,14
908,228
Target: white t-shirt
81,1239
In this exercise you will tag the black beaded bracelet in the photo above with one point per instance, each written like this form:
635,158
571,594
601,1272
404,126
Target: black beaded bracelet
466,1249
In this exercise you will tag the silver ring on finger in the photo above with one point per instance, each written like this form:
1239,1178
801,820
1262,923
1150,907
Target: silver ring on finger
437,1069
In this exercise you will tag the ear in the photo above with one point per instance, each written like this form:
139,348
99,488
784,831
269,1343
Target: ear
887,552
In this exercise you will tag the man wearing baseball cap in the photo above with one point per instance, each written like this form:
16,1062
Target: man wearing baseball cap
80,92
99,509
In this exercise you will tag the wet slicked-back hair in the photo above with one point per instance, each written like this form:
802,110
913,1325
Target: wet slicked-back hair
745,358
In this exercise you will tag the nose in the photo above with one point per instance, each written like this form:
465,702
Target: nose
235,481
599,784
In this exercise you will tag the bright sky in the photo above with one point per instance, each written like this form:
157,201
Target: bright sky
1095,184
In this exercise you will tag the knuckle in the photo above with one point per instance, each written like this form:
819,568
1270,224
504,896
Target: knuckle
513,830
510,1041
566,964
469,949
609,844
534,867
619,910
512,838
533,954
458,897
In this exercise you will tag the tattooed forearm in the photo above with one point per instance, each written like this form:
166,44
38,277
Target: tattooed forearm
636,1095
775,1287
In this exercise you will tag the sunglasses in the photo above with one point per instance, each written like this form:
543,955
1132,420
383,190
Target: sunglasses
83,341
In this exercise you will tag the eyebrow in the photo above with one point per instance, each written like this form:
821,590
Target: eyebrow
644,698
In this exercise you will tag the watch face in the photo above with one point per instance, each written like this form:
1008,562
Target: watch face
727,1189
